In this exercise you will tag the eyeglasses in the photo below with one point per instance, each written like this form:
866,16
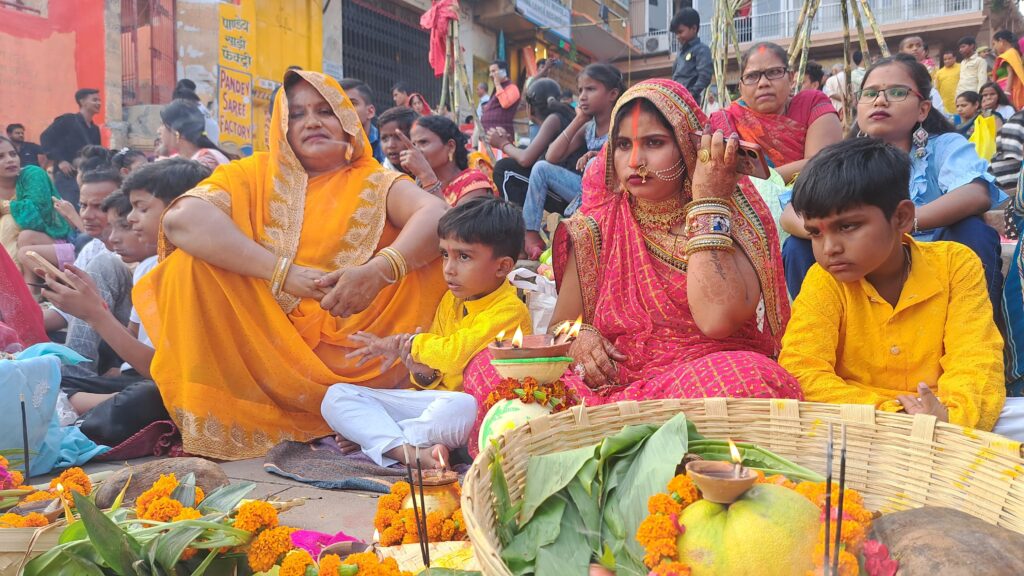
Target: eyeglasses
751,78
892,94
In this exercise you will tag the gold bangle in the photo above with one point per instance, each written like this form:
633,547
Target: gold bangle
709,202
279,276
398,261
590,328
709,240
792,180
394,267
715,244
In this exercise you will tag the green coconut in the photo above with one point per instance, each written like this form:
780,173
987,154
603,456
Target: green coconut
769,531
507,415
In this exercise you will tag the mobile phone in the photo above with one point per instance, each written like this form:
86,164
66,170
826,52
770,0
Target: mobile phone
50,269
750,158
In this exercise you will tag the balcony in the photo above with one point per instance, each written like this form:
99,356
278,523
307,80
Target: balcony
894,17
600,27
521,19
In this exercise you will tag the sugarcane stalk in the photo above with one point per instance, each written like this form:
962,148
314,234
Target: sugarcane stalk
794,46
866,9
847,68
807,38
860,29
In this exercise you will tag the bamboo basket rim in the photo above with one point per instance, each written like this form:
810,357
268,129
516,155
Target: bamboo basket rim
30,542
897,461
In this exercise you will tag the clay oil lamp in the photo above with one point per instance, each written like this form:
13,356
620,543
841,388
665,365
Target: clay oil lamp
722,482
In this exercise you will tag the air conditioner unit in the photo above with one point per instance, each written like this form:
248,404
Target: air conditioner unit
655,44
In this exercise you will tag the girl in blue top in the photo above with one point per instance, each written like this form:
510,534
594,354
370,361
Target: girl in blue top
949,183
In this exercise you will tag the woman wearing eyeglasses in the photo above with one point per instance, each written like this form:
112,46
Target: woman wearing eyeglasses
949,183
789,128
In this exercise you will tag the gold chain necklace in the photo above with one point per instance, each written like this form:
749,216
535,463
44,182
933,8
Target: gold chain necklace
658,215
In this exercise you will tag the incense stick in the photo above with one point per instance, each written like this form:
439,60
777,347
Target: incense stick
423,506
828,499
24,434
839,514
415,508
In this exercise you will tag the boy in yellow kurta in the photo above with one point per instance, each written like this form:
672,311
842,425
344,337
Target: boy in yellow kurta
882,319
480,241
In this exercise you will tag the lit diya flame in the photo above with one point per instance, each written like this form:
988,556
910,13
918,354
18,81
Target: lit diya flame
68,516
499,338
568,331
575,330
517,338
737,460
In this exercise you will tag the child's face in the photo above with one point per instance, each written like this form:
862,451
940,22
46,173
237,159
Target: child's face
471,270
858,241
391,144
125,242
145,216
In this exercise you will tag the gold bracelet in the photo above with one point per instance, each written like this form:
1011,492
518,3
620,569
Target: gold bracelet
709,242
590,328
709,202
394,267
279,276
792,180
708,209
398,261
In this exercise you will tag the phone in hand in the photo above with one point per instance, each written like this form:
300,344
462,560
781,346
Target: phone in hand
51,270
750,158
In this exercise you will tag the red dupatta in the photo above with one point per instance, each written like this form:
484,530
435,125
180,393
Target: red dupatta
781,137
467,181
19,313
637,300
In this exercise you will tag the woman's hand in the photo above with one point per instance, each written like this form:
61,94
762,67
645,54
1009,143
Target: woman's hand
595,359
924,403
715,175
351,290
582,117
301,282
412,160
66,167
67,210
79,297
581,164
498,138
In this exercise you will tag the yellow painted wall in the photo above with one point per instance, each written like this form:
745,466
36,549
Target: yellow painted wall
288,32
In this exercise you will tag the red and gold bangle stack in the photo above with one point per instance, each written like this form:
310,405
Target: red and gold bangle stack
280,275
399,267
708,225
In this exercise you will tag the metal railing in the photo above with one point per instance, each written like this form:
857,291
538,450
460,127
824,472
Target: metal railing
782,24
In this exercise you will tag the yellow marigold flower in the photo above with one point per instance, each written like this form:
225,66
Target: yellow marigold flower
448,531
383,519
848,565
295,563
162,488
434,521
40,496
330,565
684,490
409,520
391,502
854,534
460,522
410,538
400,489
662,503
392,535
813,491
73,480
200,495
162,509
671,569
187,514
17,478
256,515
268,547
654,528
4,462
32,520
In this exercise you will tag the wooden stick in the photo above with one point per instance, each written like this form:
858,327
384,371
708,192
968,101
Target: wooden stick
828,497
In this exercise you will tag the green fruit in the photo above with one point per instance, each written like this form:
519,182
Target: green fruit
769,531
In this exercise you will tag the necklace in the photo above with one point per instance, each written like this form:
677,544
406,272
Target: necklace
658,215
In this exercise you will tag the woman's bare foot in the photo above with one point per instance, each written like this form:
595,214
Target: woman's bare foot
436,457
534,245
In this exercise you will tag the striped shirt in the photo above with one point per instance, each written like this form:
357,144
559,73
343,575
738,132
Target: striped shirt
1006,163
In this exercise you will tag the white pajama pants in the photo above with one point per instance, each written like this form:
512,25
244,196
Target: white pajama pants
381,420
1011,420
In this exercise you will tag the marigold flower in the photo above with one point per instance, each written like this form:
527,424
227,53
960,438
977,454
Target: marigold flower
656,527
31,520
671,569
255,515
40,496
460,522
200,495
448,531
187,514
684,490
854,534
162,488
73,480
409,521
295,563
162,509
369,565
434,521
268,547
662,503
848,565
4,462
330,565
392,502
401,489
392,535
383,519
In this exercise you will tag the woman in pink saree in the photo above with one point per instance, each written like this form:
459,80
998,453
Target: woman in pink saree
664,317
21,319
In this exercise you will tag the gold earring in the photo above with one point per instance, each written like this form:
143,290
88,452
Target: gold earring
451,156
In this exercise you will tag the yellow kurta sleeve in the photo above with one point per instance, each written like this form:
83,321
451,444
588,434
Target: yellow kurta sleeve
812,340
456,341
972,382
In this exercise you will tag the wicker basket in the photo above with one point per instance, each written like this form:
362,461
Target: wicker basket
19,545
896,461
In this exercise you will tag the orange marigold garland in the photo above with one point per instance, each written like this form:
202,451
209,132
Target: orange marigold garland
73,480
330,565
369,565
554,396
31,520
255,515
162,509
268,547
295,563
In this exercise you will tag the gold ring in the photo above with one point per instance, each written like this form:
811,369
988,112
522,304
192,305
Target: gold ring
704,155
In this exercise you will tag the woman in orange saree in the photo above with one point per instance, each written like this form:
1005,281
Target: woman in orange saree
242,367
666,320
1008,71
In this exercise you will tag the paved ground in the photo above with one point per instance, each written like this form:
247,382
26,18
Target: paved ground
325,510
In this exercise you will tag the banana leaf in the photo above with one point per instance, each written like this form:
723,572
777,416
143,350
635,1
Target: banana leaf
755,458
119,550
569,553
225,498
548,474
521,554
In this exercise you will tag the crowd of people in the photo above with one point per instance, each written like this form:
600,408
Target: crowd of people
347,282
